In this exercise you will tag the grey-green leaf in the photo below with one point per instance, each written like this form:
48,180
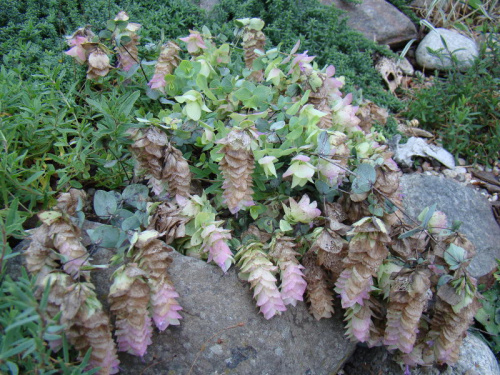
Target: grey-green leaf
454,256
105,203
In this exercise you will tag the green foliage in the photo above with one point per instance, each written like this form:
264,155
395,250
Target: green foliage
321,32
54,137
11,222
31,31
463,108
24,328
489,314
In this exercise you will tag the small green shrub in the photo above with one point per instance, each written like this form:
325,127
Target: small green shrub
54,137
463,108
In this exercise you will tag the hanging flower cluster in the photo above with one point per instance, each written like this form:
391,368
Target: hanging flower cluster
293,284
237,165
253,40
129,299
167,61
208,238
259,271
408,299
139,286
56,256
128,55
57,239
163,164
87,326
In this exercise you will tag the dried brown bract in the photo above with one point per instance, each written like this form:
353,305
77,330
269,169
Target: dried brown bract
169,221
253,40
237,166
448,329
407,301
176,172
319,293
69,202
98,62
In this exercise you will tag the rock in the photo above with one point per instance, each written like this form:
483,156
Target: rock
476,358
405,66
463,48
415,146
458,202
377,20
210,340
450,173
291,343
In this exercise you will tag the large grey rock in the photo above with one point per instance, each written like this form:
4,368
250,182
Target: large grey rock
377,20
475,358
458,202
210,340
293,343
463,48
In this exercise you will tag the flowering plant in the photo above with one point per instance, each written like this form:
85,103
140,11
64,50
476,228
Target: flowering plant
319,207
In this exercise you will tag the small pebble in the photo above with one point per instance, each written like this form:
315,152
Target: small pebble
460,170
426,166
461,161
450,173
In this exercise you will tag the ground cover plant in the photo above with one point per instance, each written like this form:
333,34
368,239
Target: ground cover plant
253,158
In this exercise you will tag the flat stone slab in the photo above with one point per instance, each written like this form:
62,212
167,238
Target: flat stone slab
458,202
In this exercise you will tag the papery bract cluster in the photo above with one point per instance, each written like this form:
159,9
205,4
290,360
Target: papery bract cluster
162,163
293,284
237,165
259,271
128,55
167,61
129,297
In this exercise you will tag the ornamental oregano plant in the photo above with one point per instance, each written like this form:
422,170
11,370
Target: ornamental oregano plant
256,161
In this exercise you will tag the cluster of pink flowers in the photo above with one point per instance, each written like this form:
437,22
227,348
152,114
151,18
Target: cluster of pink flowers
214,242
